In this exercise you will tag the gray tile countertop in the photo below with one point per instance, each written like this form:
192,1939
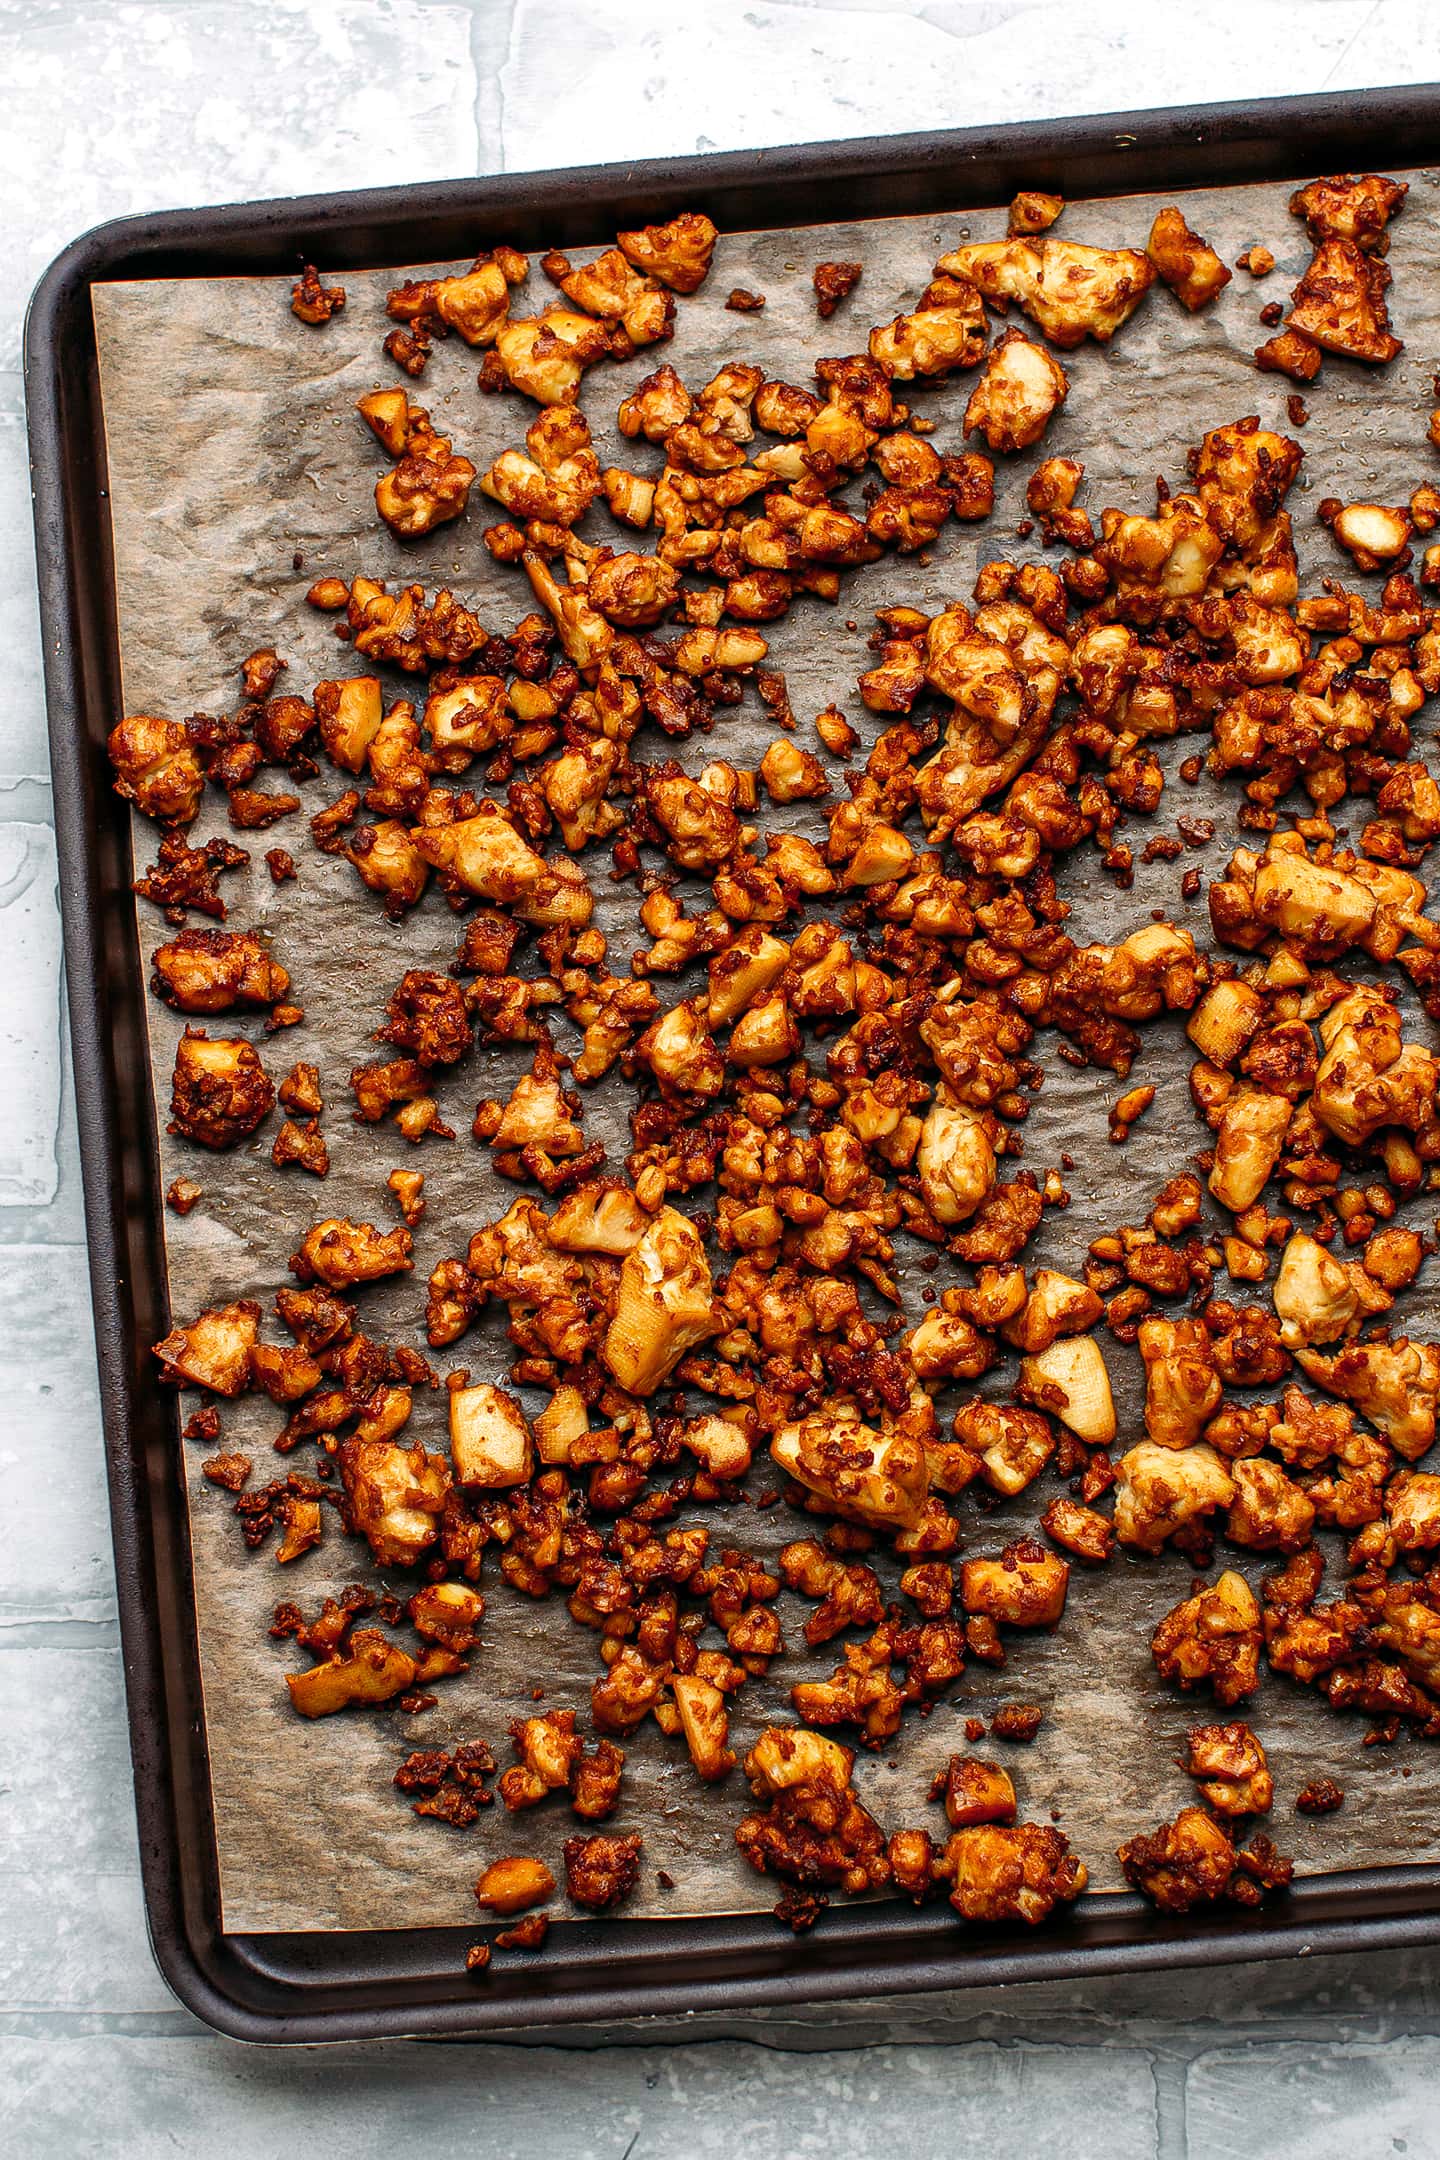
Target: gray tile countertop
110,106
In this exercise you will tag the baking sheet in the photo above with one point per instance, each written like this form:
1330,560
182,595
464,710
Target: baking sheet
233,446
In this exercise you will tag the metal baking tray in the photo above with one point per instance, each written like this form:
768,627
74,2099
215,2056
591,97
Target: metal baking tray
306,1987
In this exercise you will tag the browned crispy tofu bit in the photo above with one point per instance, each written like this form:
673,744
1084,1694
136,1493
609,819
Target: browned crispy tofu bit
544,356
1343,207
349,713
314,303
677,253
1055,1305
814,1830
1170,556
849,1594
1082,1531
219,1090
157,768
1071,292
1018,395
601,1871
1248,1140
834,282
1212,1637
429,484
302,1144
1412,1511
955,1160
340,1254
1012,1445
210,971
663,1304
1016,1871
879,1478
448,1613
933,340
1161,1489
557,475
1033,211
1224,1020
1183,1864
1050,493
490,1441
1070,1379
394,1497
705,1723
1369,1076
372,1670
301,1527
408,1187
1025,1587
549,1751
658,405
1290,353
1319,1298
1320,907
1192,270
514,1885
1182,1387
388,415
598,1218
1340,304
486,856
214,1350
787,1758
631,498
1370,533
1228,1764
475,303
723,1445
610,287
468,719
977,1792
426,1014
1396,1385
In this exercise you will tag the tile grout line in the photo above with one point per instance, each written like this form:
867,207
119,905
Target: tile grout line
1169,2067
489,104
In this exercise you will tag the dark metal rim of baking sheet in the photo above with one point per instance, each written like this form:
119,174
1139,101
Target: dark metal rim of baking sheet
307,1987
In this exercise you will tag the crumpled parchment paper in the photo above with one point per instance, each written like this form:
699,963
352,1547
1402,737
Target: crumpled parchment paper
234,453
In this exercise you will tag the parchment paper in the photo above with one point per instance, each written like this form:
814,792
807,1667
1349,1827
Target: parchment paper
233,445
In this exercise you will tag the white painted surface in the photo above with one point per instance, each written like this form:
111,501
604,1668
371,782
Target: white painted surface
109,108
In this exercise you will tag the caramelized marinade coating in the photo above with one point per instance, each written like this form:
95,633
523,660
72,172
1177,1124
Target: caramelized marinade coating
1185,1863
1192,270
512,1885
219,1092
600,1871
212,971
341,1254
183,878
1016,1871
314,303
834,282
157,767
302,1144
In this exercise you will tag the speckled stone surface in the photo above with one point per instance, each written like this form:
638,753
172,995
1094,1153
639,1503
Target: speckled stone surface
107,108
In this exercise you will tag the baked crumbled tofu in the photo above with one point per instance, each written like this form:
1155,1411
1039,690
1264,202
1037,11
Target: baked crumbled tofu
764,1056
